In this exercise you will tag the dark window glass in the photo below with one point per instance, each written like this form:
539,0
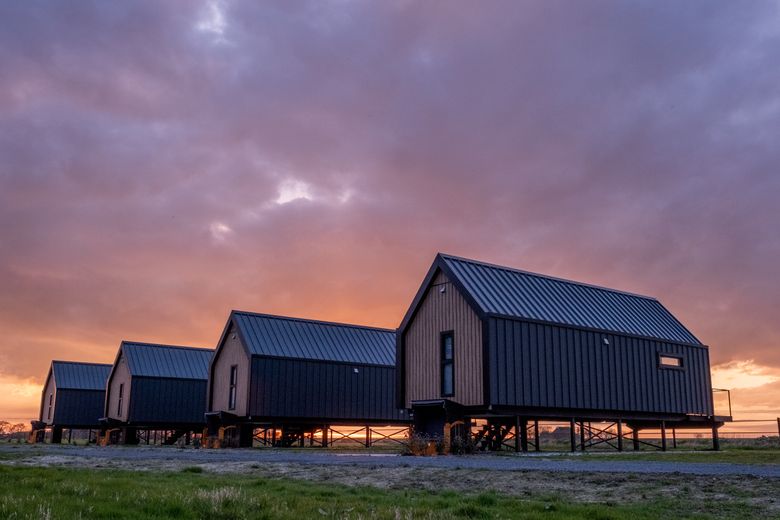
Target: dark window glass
447,365
121,398
233,384
51,399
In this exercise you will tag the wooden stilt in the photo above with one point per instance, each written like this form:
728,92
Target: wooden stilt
635,438
663,435
524,436
537,443
715,438
572,435
582,436
620,434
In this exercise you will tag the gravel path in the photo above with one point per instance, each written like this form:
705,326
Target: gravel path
610,464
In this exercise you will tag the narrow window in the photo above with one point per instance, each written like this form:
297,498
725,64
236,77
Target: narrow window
51,400
121,398
447,365
233,384
669,361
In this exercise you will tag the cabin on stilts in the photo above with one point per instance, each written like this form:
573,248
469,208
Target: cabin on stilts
155,393
503,349
286,381
73,397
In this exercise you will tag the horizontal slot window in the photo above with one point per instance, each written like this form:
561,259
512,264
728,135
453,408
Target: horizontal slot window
669,361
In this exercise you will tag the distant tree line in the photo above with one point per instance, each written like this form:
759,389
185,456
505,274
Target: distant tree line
12,431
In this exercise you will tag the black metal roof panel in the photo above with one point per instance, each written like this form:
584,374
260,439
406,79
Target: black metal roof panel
511,292
71,375
150,360
296,338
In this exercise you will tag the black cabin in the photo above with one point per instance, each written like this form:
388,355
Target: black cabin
73,397
496,343
300,375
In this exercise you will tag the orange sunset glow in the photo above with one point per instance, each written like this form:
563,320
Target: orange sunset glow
163,164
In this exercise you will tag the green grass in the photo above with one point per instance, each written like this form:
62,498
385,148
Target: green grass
81,493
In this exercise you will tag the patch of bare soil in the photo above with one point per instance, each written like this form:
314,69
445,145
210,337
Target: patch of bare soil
701,492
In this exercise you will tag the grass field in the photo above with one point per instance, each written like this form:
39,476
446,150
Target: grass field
191,493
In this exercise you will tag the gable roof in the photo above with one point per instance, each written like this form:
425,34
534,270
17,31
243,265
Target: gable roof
152,360
72,375
296,338
504,291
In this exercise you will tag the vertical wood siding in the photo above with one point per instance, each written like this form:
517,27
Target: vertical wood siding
230,353
120,375
303,389
440,312
557,367
50,389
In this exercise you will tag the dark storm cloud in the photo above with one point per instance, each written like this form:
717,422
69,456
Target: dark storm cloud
143,146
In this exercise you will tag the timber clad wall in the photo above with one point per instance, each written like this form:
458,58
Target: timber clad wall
49,392
560,367
231,353
121,375
439,312
316,389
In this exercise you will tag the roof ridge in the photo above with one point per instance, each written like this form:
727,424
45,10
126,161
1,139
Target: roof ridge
160,345
81,363
546,276
308,320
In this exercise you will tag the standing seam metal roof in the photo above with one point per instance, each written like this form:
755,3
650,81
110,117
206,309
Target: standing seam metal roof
151,360
71,375
280,336
511,292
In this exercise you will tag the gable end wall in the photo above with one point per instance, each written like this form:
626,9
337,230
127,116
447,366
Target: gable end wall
231,353
440,312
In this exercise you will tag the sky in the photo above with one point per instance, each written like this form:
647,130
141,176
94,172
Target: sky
162,163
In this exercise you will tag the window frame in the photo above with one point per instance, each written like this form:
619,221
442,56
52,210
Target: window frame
51,400
444,362
233,387
664,366
120,399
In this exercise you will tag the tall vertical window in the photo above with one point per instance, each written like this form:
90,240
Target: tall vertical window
51,400
121,398
233,384
447,364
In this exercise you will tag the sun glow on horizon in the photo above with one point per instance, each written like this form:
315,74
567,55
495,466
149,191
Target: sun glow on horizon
743,374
